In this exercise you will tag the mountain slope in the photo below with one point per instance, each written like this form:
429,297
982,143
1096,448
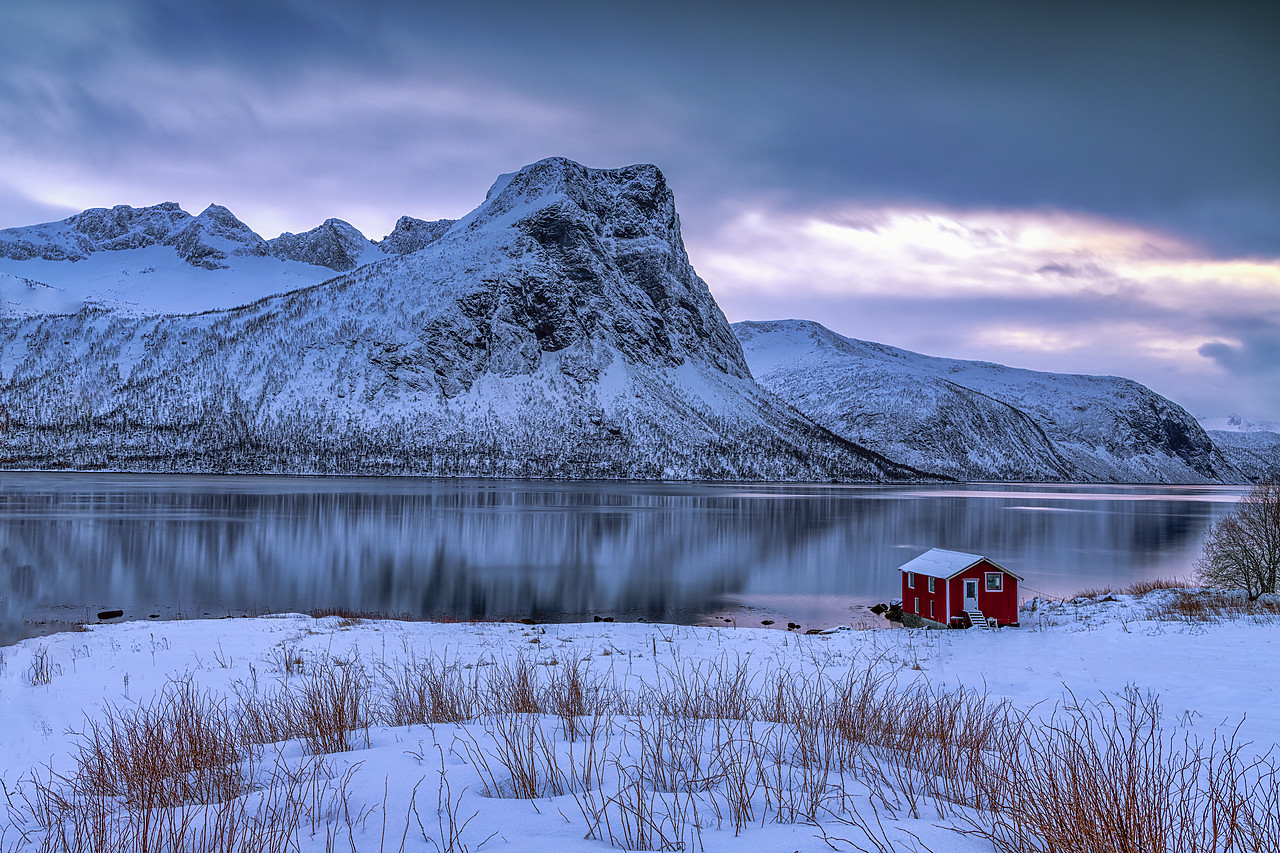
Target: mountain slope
976,420
557,330
1252,447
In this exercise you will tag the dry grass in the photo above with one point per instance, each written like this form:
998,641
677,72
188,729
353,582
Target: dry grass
175,774
1144,587
1138,588
718,744
1208,605
1104,777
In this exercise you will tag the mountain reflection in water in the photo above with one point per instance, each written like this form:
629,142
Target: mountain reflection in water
72,544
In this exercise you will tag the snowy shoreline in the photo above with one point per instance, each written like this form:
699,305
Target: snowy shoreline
1210,678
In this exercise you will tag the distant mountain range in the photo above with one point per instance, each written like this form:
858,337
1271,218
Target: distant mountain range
158,259
1252,446
557,330
980,421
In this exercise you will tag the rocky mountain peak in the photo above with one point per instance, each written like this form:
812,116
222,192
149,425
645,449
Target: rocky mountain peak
412,235
334,243
93,230
605,264
208,239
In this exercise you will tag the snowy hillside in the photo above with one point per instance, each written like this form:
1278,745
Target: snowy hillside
557,330
1252,446
979,421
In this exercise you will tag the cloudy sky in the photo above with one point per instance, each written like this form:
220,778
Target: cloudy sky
1094,188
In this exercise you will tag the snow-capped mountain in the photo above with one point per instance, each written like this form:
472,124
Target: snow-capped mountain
147,260
1235,423
334,244
411,234
977,420
162,260
1252,446
558,329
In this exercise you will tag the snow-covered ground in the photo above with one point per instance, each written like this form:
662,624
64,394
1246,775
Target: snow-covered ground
1210,677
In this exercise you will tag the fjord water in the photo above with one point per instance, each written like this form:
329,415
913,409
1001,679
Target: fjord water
177,545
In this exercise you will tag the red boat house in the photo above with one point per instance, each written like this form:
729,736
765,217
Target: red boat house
941,586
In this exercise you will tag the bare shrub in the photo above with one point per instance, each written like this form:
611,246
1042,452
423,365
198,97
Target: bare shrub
719,690
675,752
424,691
181,747
42,668
523,761
175,774
638,817
512,688
1104,777
574,693
324,709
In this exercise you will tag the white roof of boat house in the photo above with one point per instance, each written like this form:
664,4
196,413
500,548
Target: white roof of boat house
937,563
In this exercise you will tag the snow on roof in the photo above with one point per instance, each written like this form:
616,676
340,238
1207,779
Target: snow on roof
938,563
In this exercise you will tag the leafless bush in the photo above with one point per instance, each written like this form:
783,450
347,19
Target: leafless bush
42,668
638,817
1105,777
512,688
719,690
523,761
181,747
675,752
325,709
175,774
738,756
421,691
574,693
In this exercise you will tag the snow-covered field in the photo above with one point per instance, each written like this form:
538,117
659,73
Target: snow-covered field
700,740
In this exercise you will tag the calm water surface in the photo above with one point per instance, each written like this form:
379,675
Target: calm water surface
74,544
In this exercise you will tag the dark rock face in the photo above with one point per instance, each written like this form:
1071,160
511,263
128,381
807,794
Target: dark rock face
334,244
412,235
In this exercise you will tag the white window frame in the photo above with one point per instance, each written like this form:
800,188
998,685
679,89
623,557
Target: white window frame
911,580
998,577
917,610
931,585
